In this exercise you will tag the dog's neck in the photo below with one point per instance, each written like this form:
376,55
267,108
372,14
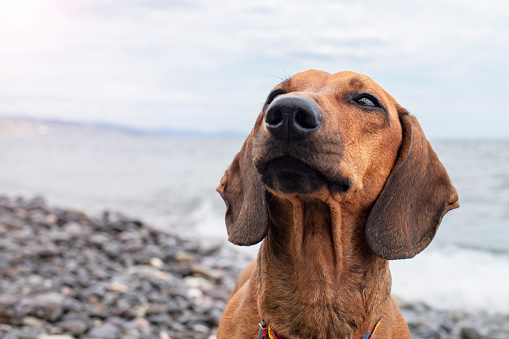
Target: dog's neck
316,276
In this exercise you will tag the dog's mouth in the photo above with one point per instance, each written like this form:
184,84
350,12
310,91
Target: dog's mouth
290,175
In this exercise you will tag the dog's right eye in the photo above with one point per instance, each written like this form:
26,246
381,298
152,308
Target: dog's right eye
366,100
273,96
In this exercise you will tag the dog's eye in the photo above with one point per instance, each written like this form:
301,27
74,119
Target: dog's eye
273,96
367,100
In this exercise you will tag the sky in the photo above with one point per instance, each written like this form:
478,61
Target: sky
208,65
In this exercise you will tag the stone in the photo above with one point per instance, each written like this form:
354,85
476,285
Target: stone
100,239
37,202
214,317
48,299
104,331
73,228
8,300
184,257
47,306
469,333
424,330
200,328
47,251
206,272
32,322
157,263
151,271
52,336
75,326
118,287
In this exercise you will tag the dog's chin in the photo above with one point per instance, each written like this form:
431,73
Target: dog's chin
289,175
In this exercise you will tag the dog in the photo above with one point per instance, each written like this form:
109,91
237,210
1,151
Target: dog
337,179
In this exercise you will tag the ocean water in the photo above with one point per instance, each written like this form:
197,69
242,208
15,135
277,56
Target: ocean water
170,183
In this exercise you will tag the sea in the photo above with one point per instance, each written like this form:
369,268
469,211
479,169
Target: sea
169,182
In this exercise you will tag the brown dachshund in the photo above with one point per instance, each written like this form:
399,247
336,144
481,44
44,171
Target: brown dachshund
336,178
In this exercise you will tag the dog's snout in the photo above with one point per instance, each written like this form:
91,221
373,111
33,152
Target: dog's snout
292,117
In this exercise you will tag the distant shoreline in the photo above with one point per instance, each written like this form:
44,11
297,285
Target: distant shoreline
34,123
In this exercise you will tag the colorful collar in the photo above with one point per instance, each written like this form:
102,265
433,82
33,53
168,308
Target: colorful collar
265,332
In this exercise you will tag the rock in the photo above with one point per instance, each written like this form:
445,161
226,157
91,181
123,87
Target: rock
48,250
194,293
47,306
133,245
21,234
201,328
184,257
105,331
423,330
73,228
112,249
37,202
214,317
161,319
12,221
5,317
156,262
206,272
100,239
8,300
51,219
118,287
75,326
32,322
145,270
47,299
469,333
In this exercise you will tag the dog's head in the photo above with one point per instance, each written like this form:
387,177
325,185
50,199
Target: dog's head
340,138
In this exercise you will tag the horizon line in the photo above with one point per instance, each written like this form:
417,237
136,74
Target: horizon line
175,132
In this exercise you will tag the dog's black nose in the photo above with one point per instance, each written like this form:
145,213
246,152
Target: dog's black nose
292,117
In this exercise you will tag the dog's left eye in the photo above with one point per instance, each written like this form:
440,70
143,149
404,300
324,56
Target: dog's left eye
367,100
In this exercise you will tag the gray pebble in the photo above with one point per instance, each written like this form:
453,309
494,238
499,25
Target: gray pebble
469,333
105,331
75,326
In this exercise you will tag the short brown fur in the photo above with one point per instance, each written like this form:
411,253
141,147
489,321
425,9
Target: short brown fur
322,270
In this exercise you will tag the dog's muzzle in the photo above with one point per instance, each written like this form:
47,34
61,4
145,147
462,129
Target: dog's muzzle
291,156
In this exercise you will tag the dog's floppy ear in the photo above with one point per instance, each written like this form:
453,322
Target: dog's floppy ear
415,197
242,191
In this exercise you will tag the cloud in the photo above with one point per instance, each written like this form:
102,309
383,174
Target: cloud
209,65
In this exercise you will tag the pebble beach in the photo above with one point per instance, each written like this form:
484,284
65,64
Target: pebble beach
66,274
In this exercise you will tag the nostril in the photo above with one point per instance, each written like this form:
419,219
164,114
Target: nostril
274,117
306,120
